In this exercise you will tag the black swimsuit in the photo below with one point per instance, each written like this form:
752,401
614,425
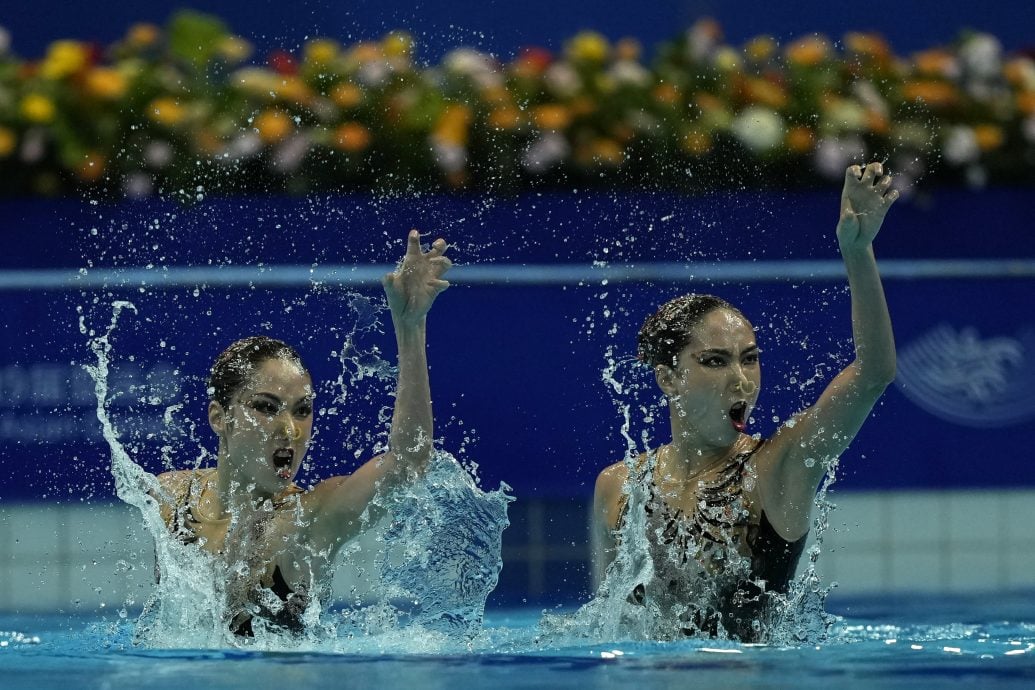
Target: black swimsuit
714,565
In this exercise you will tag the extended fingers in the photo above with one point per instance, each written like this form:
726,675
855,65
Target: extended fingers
438,248
413,243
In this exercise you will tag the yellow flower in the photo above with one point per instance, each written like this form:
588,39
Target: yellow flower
235,49
166,111
352,137
272,125
666,94
142,35
608,152
765,92
727,59
452,125
346,95
588,46
105,83
760,48
551,116
397,44
8,142
321,51
1026,102
38,108
293,90
64,58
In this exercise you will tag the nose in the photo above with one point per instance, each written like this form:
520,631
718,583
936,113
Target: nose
292,430
743,385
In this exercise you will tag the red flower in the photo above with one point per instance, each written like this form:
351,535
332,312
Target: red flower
534,59
283,62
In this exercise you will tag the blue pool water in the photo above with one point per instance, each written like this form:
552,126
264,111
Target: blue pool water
917,642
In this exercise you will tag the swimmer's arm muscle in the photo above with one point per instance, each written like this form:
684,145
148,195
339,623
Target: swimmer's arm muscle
604,519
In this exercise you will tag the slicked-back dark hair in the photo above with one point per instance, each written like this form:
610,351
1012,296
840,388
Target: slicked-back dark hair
668,330
237,363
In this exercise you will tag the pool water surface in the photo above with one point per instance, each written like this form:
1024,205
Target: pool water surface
915,641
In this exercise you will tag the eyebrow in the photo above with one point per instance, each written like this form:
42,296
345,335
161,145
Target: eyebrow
270,396
722,351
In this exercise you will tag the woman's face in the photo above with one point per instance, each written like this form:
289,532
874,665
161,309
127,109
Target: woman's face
715,383
268,426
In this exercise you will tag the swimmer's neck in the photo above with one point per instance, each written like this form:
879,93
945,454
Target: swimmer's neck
233,495
688,456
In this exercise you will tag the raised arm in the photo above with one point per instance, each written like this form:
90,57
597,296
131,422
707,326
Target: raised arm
801,450
411,290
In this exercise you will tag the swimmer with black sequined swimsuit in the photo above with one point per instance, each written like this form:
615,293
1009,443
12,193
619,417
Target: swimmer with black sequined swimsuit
271,536
725,515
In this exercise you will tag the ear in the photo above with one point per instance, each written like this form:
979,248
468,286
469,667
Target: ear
666,378
217,418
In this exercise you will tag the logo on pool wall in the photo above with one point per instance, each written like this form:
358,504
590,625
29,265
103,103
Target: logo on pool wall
963,378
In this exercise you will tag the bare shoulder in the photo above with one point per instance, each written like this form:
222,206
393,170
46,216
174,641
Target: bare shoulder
611,480
174,484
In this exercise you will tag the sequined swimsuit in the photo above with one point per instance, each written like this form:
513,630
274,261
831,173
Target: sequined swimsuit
712,567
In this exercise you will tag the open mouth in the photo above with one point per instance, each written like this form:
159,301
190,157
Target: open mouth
738,415
282,460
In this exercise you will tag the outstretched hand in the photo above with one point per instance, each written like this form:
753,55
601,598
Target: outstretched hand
417,281
865,199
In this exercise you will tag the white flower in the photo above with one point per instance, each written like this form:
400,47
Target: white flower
137,185
158,154
1028,128
629,72
833,155
245,145
450,157
982,56
289,154
374,72
562,79
760,129
870,97
480,67
960,145
545,152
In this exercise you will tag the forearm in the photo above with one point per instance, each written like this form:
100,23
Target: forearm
871,323
411,435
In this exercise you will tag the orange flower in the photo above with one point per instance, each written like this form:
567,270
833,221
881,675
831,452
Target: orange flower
292,89
697,143
628,49
808,51
505,118
366,52
608,152
988,136
800,139
1021,73
666,94
346,95
272,125
352,137
91,168
105,83
765,92
142,35
877,122
8,142
933,93
551,116
453,124
1026,102
166,111
868,45
532,62
37,108
935,62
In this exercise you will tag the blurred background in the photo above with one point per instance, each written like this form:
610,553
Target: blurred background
235,168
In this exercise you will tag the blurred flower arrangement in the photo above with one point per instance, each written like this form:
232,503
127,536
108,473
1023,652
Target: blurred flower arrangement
185,110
